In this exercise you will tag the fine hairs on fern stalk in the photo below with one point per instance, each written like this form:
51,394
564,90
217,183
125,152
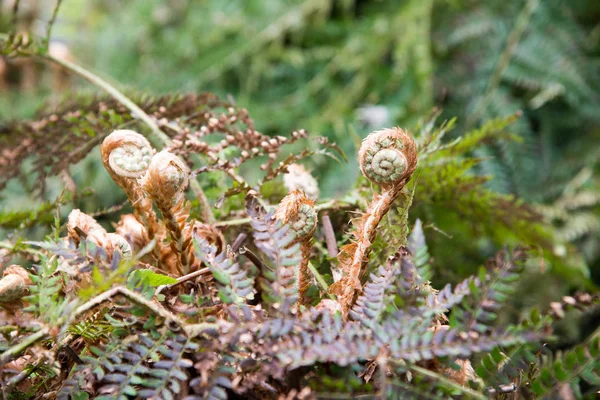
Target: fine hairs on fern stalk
299,212
126,155
387,158
165,182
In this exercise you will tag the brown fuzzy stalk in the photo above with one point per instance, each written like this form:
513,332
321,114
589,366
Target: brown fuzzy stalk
126,156
13,287
298,211
387,158
165,182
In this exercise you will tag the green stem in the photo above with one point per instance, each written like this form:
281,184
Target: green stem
134,108
19,348
52,21
465,390
114,92
320,280
512,42
139,113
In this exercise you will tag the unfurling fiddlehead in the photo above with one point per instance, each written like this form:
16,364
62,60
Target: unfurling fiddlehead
387,158
299,212
126,155
298,178
82,227
13,287
131,229
165,182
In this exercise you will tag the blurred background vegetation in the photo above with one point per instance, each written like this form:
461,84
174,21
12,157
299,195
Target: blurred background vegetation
342,68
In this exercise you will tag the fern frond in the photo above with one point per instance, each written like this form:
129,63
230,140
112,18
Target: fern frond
234,284
377,293
493,287
571,369
274,239
145,365
419,251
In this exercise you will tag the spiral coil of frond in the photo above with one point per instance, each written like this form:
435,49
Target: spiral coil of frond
126,153
82,227
13,287
388,157
298,178
79,222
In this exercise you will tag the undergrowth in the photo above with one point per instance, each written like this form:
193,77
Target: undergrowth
212,285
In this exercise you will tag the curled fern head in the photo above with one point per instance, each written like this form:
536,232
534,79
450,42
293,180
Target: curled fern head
167,177
126,153
13,286
78,222
388,157
210,234
299,211
298,178
130,228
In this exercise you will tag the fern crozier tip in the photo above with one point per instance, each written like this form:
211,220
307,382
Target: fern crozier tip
126,153
388,157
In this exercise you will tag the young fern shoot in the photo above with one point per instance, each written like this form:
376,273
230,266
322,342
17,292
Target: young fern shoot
13,287
387,158
299,212
165,182
126,156
82,227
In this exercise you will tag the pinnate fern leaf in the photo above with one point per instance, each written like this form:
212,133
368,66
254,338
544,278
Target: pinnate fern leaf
234,284
275,239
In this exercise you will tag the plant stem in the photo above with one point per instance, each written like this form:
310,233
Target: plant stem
155,307
114,92
19,348
320,280
332,248
512,42
449,382
139,113
181,279
52,21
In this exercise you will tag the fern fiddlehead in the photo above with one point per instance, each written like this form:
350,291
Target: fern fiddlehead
299,212
126,155
13,287
165,182
388,158
129,153
82,227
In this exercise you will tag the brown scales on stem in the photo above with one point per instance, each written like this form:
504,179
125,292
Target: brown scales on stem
387,158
